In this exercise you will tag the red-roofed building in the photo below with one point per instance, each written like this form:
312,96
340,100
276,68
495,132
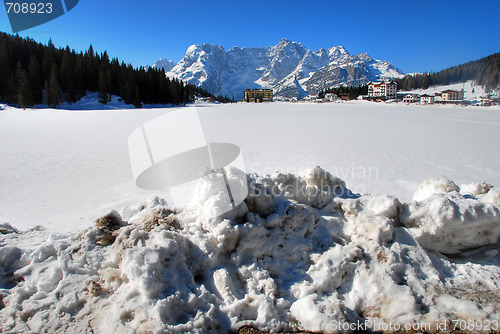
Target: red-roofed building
384,90
452,95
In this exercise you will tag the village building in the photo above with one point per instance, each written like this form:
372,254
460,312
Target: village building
400,96
258,95
344,96
330,97
312,98
383,90
485,101
426,99
411,98
452,95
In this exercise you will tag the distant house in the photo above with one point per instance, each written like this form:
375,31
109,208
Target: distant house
384,90
400,96
258,95
426,99
344,96
411,98
311,98
485,101
495,99
330,97
452,95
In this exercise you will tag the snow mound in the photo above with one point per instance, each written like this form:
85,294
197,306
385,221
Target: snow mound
435,185
301,252
444,220
474,189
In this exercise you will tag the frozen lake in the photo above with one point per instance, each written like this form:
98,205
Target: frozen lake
62,169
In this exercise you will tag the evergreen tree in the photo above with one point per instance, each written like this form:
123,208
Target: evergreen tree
53,89
104,84
67,81
24,91
79,78
5,69
136,100
35,79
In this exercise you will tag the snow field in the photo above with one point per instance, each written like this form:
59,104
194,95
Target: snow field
61,169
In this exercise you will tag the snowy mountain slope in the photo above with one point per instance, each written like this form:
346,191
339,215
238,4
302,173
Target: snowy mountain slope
288,68
202,66
166,64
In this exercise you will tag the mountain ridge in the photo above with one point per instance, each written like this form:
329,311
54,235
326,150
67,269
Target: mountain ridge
290,69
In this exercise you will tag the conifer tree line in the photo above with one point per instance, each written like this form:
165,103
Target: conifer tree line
353,91
485,72
32,73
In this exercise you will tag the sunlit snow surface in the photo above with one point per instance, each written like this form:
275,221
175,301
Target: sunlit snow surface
61,169
310,248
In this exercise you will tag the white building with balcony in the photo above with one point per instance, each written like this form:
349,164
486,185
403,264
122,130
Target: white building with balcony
383,90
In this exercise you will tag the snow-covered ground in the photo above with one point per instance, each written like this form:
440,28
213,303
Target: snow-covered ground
302,252
61,169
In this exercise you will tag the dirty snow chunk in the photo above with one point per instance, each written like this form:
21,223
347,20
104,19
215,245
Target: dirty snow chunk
330,270
474,189
451,223
110,222
312,316
380,297
369,217
316,187
464,309
7,228
322,186
435,185
382,205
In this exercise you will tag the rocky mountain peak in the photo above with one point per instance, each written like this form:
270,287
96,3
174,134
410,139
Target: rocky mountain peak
288,68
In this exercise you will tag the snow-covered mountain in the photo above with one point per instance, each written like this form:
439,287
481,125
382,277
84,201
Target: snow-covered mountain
166,64
288,68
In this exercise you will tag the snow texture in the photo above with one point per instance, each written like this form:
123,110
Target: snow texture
302,252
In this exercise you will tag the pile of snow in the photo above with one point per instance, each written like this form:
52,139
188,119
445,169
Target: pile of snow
443,219
301,252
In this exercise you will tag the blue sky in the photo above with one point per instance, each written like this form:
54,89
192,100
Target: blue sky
415,36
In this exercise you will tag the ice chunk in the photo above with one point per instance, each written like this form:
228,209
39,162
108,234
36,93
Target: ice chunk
450,223
435,185
478,188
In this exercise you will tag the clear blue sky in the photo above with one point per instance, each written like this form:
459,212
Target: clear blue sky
415,36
